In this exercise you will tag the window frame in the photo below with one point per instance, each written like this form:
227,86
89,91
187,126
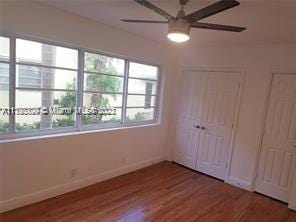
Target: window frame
79,127
156,94
122,107
41,89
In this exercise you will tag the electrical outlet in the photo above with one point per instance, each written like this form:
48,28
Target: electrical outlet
73,173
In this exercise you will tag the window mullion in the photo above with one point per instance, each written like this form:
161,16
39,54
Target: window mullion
79,96
12,82
125,91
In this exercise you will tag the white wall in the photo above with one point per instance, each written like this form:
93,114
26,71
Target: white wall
36,169
257,62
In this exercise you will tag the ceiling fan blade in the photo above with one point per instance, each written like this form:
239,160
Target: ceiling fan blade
154,8
142,21
211,10
228,28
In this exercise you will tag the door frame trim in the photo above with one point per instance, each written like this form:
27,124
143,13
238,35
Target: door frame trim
241,72
273,72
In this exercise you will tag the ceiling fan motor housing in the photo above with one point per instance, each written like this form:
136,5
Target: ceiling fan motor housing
179,26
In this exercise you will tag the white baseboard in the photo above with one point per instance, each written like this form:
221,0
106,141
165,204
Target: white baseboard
292,205
68,187
248,186
239,183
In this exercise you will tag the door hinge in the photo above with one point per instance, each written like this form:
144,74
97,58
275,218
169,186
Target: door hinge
226,165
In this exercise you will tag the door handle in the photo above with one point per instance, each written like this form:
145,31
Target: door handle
203,128
197,126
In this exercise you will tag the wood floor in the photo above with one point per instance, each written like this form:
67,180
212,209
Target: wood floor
162,192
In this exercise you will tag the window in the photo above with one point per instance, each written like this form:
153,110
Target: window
46,78
4,82
103,87
49,78
141,98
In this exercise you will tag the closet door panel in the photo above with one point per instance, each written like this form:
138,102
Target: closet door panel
189,117
217,122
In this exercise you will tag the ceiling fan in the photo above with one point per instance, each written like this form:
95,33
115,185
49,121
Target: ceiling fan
179,26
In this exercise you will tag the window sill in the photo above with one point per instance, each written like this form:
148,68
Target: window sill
74,132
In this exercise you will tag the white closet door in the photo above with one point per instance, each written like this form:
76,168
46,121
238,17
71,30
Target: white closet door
292,196
217,122
277,159
189,117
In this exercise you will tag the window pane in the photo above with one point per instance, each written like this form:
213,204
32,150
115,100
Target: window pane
141,86
142,71
140,101
93,100
4,77
4,48
103,83
38,99
113,117
4,96
28,76
43,54
139,114
103,64
39,77
4,117
99,100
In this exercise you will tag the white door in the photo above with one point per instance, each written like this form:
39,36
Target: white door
292,196
189,117
217,123
277,158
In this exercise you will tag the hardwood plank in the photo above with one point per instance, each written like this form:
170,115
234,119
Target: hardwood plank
162,192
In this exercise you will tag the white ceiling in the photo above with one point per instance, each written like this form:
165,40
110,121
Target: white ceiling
267,22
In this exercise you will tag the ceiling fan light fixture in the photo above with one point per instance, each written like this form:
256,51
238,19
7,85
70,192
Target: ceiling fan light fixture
178,37
179,30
